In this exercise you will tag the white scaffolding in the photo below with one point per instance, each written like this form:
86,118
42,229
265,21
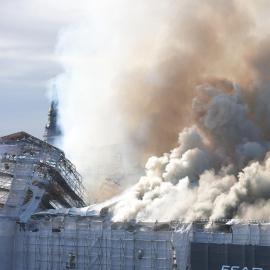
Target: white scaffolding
75,242
35,176
85,243
227,232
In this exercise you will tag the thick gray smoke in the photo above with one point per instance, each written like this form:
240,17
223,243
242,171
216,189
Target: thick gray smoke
131,73
220,169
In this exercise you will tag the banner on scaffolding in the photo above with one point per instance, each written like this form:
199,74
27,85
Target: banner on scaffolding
207,256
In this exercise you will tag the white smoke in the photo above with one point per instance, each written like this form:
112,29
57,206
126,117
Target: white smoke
131,71
214,173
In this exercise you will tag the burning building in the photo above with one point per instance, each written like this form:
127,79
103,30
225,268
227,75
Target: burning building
220,168
87,238
45,224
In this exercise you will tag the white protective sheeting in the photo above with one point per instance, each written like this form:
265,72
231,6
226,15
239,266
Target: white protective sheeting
181,241
3,150
212,237
253,234
241,233
93,210
85,243
7,232
76,242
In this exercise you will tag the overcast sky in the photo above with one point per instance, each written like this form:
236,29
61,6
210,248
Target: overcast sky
29,30
28,36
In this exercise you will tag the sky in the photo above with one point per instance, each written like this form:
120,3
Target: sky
28,35
29,32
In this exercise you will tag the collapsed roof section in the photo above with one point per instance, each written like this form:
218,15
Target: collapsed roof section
35,176
116,166
95,210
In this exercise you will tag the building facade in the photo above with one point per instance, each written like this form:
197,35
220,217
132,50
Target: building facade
45,224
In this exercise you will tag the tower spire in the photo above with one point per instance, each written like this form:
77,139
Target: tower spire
52,130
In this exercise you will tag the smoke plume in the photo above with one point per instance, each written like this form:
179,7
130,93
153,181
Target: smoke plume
143,72
220,169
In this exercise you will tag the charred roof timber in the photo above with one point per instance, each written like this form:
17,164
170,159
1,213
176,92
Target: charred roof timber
35,176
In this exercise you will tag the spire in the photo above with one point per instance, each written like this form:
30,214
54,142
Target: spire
54,103
52,130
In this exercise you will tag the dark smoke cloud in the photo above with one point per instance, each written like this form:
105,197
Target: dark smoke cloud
219,170
202,38
147,72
